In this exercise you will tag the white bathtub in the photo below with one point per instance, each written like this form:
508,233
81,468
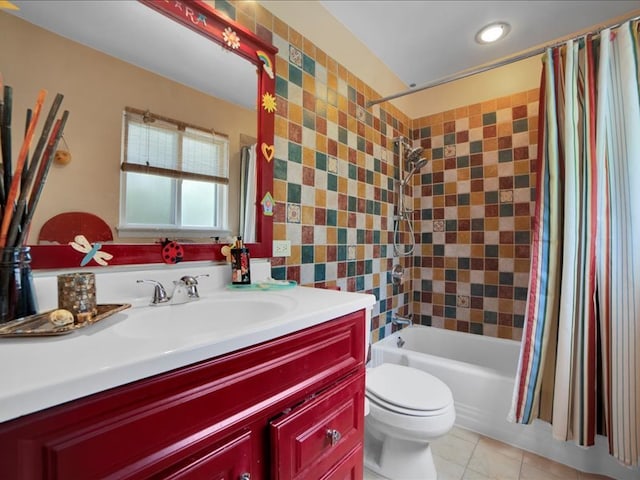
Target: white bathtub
480,371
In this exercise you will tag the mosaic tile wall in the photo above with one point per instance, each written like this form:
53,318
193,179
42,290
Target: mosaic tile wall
333,177
476,203
334,187
334,171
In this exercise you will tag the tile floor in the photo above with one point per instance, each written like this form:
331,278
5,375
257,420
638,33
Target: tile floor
465,455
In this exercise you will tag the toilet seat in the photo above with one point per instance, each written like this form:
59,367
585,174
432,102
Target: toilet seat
408,391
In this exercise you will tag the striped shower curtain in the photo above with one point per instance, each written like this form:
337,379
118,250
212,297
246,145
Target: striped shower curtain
579,366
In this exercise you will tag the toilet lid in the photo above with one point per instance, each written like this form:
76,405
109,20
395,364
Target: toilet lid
408,387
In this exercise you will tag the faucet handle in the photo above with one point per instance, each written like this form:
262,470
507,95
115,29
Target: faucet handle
191,283
159,293
191,280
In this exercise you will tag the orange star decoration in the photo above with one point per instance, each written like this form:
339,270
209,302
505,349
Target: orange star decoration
231,38
269,102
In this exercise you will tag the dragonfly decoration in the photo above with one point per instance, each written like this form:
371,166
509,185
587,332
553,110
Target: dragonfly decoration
82,245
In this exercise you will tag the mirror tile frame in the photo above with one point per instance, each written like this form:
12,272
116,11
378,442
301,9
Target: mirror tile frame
201,17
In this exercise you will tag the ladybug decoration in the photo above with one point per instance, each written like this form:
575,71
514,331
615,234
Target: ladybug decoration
172,252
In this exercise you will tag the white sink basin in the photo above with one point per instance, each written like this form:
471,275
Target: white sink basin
216,315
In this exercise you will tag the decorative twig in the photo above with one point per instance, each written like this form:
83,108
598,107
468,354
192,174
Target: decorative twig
5,132
45,163
1,140
23,178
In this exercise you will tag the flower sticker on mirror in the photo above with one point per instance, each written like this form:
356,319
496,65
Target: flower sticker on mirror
269,102
266,63
231,38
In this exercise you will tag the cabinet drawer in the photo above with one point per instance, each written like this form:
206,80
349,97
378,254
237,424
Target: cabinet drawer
314,437
225,460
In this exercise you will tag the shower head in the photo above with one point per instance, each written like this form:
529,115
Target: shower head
413,155
417,165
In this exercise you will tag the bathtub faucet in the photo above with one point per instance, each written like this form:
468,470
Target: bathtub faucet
399,320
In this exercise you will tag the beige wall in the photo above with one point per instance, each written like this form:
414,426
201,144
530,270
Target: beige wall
495,83
96,89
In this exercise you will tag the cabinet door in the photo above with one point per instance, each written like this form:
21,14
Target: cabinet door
350,468
309,441
226,460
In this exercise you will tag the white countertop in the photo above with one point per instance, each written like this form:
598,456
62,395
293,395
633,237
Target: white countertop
37,373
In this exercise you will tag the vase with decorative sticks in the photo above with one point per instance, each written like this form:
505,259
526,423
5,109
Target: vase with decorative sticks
21,185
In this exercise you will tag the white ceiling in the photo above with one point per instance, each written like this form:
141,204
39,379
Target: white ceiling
425,41
420,41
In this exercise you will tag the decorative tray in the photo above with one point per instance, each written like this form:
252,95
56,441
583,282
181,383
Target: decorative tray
38,325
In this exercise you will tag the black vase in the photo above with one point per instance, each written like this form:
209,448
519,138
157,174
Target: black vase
17,295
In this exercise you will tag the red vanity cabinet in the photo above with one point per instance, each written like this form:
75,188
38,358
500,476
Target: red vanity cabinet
263,412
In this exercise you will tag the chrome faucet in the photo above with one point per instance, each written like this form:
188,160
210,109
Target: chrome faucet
399,320
184,290
160,296
191,283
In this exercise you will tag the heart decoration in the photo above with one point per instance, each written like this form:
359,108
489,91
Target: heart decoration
268,151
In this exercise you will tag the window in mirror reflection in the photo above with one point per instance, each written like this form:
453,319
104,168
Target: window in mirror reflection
175,177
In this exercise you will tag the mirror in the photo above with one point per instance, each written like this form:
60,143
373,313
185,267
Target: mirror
196,78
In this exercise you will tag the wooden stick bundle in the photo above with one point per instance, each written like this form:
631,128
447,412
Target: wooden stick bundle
23,187
17,220
15,182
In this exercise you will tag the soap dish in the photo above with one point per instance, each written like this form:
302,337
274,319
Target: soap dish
268,284
38,325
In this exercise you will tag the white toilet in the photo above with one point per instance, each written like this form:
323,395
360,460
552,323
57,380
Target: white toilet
408,409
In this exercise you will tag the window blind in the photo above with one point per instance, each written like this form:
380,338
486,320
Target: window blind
160,146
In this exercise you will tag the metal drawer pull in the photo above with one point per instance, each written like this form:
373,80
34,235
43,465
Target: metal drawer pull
245,476
334,436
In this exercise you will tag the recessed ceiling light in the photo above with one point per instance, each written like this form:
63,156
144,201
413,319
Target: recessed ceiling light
493,32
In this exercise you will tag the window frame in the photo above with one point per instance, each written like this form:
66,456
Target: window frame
177,176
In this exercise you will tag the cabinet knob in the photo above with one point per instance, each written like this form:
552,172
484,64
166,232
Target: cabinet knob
334,436
245,476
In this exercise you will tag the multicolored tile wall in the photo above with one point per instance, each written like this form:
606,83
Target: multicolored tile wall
334,171
334,185
476,203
